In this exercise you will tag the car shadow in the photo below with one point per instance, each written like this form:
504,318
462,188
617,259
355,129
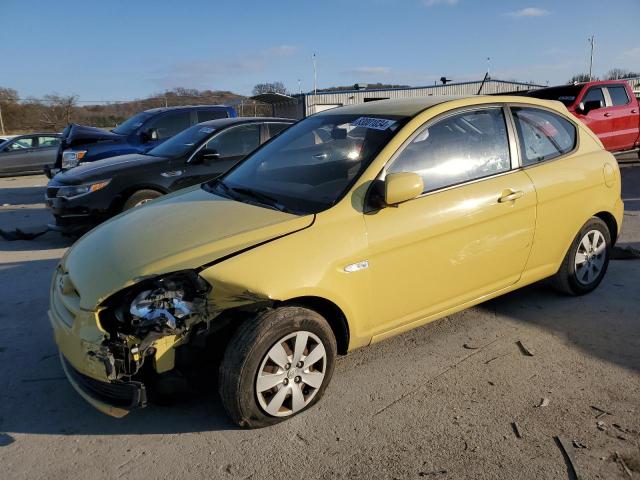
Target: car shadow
607,326
22,195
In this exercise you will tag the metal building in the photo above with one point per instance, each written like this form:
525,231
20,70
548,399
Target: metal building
308,103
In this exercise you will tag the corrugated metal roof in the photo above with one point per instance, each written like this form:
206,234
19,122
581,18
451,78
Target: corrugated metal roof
354,97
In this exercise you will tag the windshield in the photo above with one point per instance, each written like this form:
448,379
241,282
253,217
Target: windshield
312,164
566,94
182,143
132,124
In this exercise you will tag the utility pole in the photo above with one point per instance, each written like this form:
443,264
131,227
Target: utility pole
1,122
315,75
592,41
299,86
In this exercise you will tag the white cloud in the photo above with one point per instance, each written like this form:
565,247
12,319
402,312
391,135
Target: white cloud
202,73
528,13
369,71
281,50
431,3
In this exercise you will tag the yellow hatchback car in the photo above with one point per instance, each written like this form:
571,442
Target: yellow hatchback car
353,225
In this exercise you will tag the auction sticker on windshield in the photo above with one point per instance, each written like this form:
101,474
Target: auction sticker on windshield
374,123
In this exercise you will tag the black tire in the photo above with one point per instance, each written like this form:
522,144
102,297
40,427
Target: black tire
246,351
139,197
566,280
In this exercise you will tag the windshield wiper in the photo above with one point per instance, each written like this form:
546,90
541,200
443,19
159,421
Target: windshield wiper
262,197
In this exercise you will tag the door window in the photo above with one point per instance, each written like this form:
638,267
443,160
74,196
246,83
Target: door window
170,124
22,143
44,142
594,94
276,128
236,141
458,149
543,135
211,114
618,95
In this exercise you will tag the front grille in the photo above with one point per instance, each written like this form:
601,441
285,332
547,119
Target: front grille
120,394
65,300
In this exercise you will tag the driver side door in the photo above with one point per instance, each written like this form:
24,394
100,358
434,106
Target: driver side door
220,153
468,235
16,155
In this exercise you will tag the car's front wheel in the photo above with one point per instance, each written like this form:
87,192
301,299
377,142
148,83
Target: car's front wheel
140,198
276,365
586,262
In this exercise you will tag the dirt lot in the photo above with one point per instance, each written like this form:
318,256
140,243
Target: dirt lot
438,402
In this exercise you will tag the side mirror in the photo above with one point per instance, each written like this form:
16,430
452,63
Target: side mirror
149,135
586,107
400,187
205,156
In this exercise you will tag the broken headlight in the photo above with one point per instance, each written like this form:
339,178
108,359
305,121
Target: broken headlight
167,305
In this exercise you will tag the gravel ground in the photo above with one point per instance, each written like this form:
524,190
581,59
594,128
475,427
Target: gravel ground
455,399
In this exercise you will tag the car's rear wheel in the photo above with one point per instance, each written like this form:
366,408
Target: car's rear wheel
276,366
586,262
140,198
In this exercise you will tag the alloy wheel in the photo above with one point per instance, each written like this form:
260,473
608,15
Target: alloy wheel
291,373
590,257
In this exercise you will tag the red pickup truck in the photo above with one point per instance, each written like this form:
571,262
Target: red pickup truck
609,108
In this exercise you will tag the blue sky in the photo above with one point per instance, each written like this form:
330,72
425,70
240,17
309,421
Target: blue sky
116,50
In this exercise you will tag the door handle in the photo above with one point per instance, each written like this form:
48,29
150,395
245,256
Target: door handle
321,155
634,111
607,114
510,197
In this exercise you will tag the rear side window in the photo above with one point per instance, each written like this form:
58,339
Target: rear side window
460,148
44,142
543,135
276,128
211,114
236,141
618,95
170,124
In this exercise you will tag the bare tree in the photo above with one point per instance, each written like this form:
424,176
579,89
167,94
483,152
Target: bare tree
272,87
580,78
620,73
57,111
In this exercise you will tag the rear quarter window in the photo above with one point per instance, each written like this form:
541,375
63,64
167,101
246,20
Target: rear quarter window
543,135
211,114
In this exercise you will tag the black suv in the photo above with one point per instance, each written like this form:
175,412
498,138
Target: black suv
140,133
84,196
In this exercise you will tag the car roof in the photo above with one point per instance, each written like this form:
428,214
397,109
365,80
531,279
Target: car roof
410,107
405,107
48,134
225,122
183,107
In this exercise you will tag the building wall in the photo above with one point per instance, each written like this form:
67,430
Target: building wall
315,103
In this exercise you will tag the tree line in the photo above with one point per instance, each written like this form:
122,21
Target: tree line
52,113
613,74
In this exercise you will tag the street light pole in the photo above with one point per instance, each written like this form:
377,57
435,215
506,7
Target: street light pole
592,41
1,122
315,76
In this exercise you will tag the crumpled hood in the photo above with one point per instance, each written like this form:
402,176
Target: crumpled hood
76,134
104,169
183,230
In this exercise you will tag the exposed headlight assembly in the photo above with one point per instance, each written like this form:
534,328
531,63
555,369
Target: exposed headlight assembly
72,158
166,305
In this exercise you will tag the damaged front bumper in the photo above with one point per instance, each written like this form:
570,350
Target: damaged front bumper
113,398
